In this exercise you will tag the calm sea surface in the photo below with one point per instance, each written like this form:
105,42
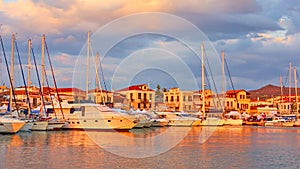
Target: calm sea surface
226,147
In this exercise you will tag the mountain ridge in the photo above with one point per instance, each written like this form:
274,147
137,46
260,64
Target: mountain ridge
269,91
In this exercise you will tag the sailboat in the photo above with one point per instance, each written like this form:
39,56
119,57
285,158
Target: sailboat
214,116
90,116
8,124
297,121
233,118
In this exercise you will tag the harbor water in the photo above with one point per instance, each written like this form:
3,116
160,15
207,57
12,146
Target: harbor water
226,147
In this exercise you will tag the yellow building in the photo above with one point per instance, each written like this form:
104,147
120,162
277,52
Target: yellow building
101,97
177,100
71,94
197,99
258,106
237,100
139,97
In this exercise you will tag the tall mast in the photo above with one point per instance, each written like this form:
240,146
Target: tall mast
29,64
203,93
97,71
296,91
38,78
43,61
223,80
10,79
87,66
23,77
54,80
12,71
281,90
290,81
98,86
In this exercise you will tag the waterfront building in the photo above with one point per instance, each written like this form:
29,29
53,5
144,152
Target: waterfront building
71,94
197,100
237,100
177,100
101,97
139,97
265,106
21,97
2,95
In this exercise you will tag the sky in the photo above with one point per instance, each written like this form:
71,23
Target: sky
157,41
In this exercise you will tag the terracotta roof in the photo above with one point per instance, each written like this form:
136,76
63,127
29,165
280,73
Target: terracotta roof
135,87
70,90
104,91
236,91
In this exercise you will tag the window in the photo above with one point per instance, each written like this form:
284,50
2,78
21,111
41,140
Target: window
84,120
78,122
139,105
139,95
108,120
131,96
178,98
121,120
184,98
166,98
145,96
172,98
96,120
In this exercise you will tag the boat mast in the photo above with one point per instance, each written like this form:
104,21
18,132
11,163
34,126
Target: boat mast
223,80
87,66
29,64
43,62
23,77
281,90
10,79
12,71
97,71
98,86
203,93
38,78
290,81
296,91
54,80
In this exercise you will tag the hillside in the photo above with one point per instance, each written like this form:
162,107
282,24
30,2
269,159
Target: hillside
271,91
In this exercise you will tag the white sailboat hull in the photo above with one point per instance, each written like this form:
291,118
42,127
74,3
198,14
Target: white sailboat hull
27,127
55,125
159,122
10,125
180,122
143,123
213,122
233,122
39,126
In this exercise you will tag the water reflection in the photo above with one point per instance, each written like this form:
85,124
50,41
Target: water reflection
227,147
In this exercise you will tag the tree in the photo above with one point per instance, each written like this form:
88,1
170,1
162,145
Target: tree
158,87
